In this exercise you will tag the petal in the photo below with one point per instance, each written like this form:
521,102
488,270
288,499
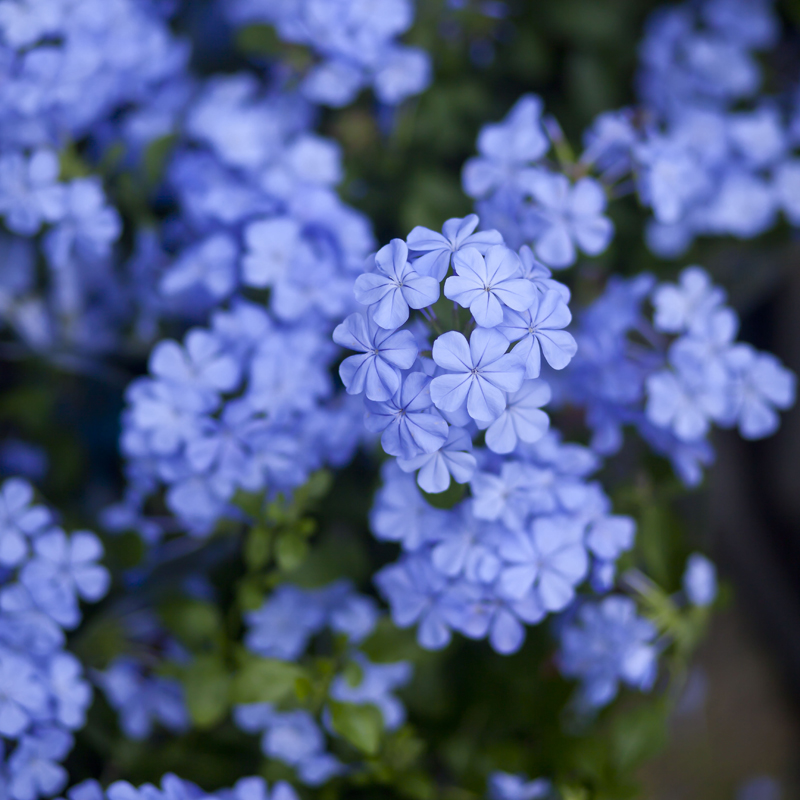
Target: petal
448,392
451,351
501,437
593,235
434,477
469,263
420,291
486,309
392,311
371,287
558,347
464,290
555,247
382,380
485,402
486,347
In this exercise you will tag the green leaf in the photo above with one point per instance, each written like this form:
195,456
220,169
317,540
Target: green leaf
361,725
258,40
257,547
291,550
250,593
639,735
156,156
208,694
195,622
252,503
265,680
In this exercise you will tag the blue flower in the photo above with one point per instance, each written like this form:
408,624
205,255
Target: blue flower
62,570
568,216
410,426
19,520
609,643
401,514
23,698
538,330
433,252
30,194
417,592
377,683
479,373
485,285
522,420
272,247
505,786
761,384
142,700
209,265
70,692
505,148
451,459
394,287
700,580
285,623
385,353
549,558
34,765
680,307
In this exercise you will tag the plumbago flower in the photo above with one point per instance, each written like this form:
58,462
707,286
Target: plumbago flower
44,695
532,526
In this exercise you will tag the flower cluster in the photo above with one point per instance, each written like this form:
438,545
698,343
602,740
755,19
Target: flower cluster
228,410
68,67
716,158
704,151
355,45
673,375
528,197
517,548
607,644
44,573
282,629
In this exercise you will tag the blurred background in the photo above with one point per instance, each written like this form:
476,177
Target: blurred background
736,733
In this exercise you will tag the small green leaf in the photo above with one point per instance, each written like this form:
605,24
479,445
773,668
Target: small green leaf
156,156
250,593
353,674
265,680
291,550
195,622
257,547
361,725
207,686
252,503
639,735
258,40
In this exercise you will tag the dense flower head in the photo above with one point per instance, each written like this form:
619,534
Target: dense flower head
533,525
356,44
44,695
227,410
690,374
520,192
606,645
283,629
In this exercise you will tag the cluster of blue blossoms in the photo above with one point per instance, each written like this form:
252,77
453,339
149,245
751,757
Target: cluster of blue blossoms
355,44
282,629
44,574
500,521
705,151
67,69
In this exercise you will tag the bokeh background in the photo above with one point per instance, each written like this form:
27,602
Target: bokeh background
739,717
